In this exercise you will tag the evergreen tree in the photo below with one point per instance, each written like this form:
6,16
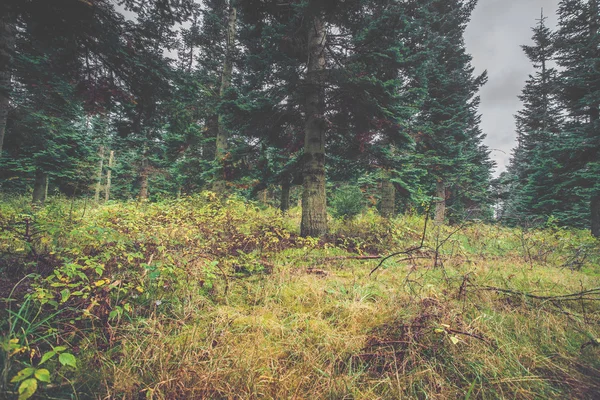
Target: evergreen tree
449,140
531,191
577,158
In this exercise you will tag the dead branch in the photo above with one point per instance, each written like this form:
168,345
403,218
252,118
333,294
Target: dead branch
412,249
578,296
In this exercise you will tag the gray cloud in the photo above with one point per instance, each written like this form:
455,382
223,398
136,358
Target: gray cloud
497,30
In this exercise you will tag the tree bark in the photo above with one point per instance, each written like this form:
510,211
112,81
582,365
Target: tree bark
314,203
262,196
595,209
39,187
99,176
388,198
111,161
144,174
222,134
440,202
286,186
7,45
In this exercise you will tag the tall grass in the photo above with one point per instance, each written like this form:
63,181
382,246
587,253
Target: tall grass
225,301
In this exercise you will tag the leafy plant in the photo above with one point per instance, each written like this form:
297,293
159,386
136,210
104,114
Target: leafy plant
347,202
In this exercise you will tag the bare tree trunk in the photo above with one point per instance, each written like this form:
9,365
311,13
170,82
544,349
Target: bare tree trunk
388,198
39,186
595,209
144,174
111,161
262,196
209,149
46,188
440,202
314,203
7,45
285,194
99,177
222,134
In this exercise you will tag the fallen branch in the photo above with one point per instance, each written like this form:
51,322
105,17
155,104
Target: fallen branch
565,297
409,251
473,335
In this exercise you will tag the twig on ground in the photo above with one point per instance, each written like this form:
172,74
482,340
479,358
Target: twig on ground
565,297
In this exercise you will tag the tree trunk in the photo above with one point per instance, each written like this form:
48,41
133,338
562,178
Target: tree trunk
595,209
209,148
39,187
46,188
262,196
144,174
7,45
285,195
388,198
314,203
99,176
222,134
440,202
111,161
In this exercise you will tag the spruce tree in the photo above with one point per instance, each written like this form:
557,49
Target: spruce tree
449,139
578,168
529,174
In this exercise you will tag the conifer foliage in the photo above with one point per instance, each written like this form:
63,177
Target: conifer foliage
555,167
243,97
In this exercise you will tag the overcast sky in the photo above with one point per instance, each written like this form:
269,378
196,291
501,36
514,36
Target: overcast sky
497,30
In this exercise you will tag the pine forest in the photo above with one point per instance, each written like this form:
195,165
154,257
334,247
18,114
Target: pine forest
296,199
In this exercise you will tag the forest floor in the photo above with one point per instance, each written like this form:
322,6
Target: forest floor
196,299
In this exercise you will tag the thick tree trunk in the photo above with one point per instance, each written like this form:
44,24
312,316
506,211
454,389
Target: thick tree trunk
314,203
144,175
111,161
39,187
440,202
286,186
222,134
595,209
7,44
99,176
388,198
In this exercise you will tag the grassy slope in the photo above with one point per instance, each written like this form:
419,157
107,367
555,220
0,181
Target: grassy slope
194,299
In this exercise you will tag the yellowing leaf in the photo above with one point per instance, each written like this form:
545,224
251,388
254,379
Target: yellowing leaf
27,388
454,339
23,374
42,375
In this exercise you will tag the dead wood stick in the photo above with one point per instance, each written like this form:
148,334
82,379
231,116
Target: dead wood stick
412,249
565,297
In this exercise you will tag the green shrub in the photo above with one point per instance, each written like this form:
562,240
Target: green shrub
347,202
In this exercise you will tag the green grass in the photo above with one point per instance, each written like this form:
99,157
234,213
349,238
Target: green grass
198,299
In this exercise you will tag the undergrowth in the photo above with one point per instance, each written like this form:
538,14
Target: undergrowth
202,298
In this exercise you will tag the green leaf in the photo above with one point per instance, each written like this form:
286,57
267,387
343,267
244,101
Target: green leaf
43,375
22,374
47,356
65,293
27,388
68,359
60,349
454,339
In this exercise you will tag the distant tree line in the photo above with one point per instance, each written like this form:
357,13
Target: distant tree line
554,170
153,99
